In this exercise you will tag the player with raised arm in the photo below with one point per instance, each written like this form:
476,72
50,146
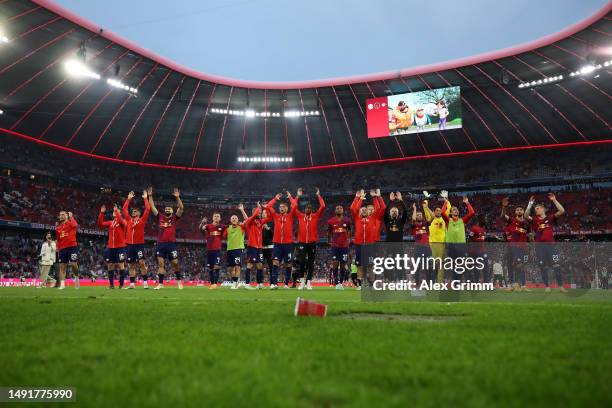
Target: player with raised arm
213,233
367,226
394,219
234,234
135,238
254,228
166,237
517,229
420,232
546,251
68,249
437,232
46,259
283,236
114,255
339,237
477,236
308,236
455,231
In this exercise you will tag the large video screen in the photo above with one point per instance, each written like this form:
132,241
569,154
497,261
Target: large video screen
414,112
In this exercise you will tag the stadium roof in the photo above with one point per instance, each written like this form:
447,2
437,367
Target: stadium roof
174,119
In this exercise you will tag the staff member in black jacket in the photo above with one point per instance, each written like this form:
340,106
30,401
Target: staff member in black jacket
395,218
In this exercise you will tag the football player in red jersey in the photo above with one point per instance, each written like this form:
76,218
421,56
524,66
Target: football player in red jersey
308,236
339,237
283,237
517,229
166,238
367,225
254,227
420,232
213,233
477,236
134,237
546,252
114,255
67,247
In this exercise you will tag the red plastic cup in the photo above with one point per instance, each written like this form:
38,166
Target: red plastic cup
305,307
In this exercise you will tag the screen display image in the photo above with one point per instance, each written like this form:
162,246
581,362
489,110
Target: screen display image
414,112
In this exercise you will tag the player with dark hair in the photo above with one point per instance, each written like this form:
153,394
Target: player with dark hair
437,232
267,235
395,218
134,237
308,236
213,233
283,237
477,236
517,229
455,231
339,238
234,234
166,237
546,251
420,232
254,228
67,247
367,226
114,255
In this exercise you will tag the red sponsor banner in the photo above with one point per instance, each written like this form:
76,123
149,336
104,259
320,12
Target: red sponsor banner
377,117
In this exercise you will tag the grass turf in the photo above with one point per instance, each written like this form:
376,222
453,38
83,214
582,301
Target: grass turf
231,348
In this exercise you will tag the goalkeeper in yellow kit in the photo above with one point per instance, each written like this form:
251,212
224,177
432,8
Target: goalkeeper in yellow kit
437,233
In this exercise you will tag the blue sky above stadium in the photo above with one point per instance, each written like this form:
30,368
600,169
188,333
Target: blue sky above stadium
271,40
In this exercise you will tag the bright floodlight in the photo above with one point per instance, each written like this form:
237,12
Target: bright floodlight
3,38
587,69
77,68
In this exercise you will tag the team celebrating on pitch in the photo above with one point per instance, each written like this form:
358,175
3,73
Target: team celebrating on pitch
439,232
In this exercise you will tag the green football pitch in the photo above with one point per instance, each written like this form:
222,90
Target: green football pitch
234,348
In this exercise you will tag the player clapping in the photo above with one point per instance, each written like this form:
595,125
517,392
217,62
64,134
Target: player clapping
135,230
114,255
166,238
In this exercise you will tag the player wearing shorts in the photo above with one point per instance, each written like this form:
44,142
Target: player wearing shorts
518,245
283,237
339,237
67,247
114,255
166,237
47,256
455,232
437,233
134,238
234,234
267,235
420,232
254,228
546,251
308,236
367,226
213,233
477,236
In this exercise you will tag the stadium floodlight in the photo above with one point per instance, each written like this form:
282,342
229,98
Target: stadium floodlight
587,69
118,84
78,69
264,159
1,112
249,113
3,38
